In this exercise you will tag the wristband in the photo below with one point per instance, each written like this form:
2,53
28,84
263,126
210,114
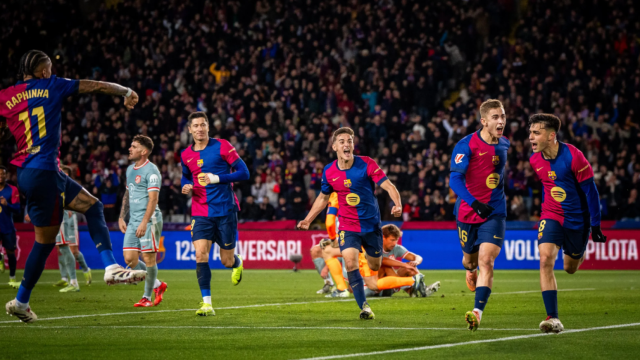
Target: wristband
213,179
129,92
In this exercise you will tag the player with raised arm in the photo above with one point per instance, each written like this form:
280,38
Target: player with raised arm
142,233
67,242
570,208
354,179
206,171
477,177
32,108
9,205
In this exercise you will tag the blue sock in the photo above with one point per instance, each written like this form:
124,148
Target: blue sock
204,278
550,298
482,296
237,262
100,233
357,285
33,269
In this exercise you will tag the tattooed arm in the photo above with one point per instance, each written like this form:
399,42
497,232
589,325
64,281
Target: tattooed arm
123,212
102,87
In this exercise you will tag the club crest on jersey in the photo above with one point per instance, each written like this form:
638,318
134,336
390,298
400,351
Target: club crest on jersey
459,158
539,235
138,178
552,175
342,238
495,159
200,162
347,183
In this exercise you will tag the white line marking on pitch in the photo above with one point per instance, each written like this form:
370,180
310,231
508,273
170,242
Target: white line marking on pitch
251,327
519,337
249,306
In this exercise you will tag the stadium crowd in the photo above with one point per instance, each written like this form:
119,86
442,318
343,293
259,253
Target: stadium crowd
277,77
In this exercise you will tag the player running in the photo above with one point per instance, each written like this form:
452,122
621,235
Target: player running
354,179
9,205
143,232
570,208
477,177
32,108
317,250
206,171
67,242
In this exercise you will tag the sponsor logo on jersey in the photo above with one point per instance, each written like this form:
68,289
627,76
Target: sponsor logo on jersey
552,175
347,183
459,158
353,199
558,194
201,179
495,159
482,153
138,178
200,162
493,180
538,169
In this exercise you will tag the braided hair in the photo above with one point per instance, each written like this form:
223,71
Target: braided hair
30,61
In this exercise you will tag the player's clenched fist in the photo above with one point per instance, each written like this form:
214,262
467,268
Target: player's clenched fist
131,100
303,225
211,179
187,189
396,211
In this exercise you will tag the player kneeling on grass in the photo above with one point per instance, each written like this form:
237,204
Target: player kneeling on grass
395,275
570,208
142,234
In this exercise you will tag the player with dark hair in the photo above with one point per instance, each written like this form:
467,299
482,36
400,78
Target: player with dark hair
9,205
142,233
477,177
354,179
206,171
570,208
32,108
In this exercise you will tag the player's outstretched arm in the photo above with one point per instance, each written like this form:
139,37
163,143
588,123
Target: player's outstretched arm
123,212
321,202
388,186
107,88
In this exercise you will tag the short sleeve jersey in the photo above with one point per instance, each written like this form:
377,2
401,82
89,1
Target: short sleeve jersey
140,181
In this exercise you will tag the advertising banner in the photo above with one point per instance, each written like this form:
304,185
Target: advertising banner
24,244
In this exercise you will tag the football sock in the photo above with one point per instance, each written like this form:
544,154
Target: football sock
236,263
335,268
12,264
319,263
482,296
204,280
66,278
150,281
62,266
33,269
140,266
357,285
81,261
74,282
392,282
69,262
550,298
100,233
158,282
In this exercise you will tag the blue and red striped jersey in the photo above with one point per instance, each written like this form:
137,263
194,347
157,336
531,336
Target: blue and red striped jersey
563,199
32,109
10,193
483,167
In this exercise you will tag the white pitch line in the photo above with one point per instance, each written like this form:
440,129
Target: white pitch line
440,346
250,306
252,327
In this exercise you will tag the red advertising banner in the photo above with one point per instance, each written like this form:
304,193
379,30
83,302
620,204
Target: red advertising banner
620,252
271,249
24,244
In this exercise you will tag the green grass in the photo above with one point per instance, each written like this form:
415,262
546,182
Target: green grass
146,333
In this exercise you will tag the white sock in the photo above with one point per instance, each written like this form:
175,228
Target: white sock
479,313
328,280
207,299
65,279
114,266
86,270
22,306
148,298
157,283
74,282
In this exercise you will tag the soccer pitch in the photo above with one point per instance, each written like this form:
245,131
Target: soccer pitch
277,315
